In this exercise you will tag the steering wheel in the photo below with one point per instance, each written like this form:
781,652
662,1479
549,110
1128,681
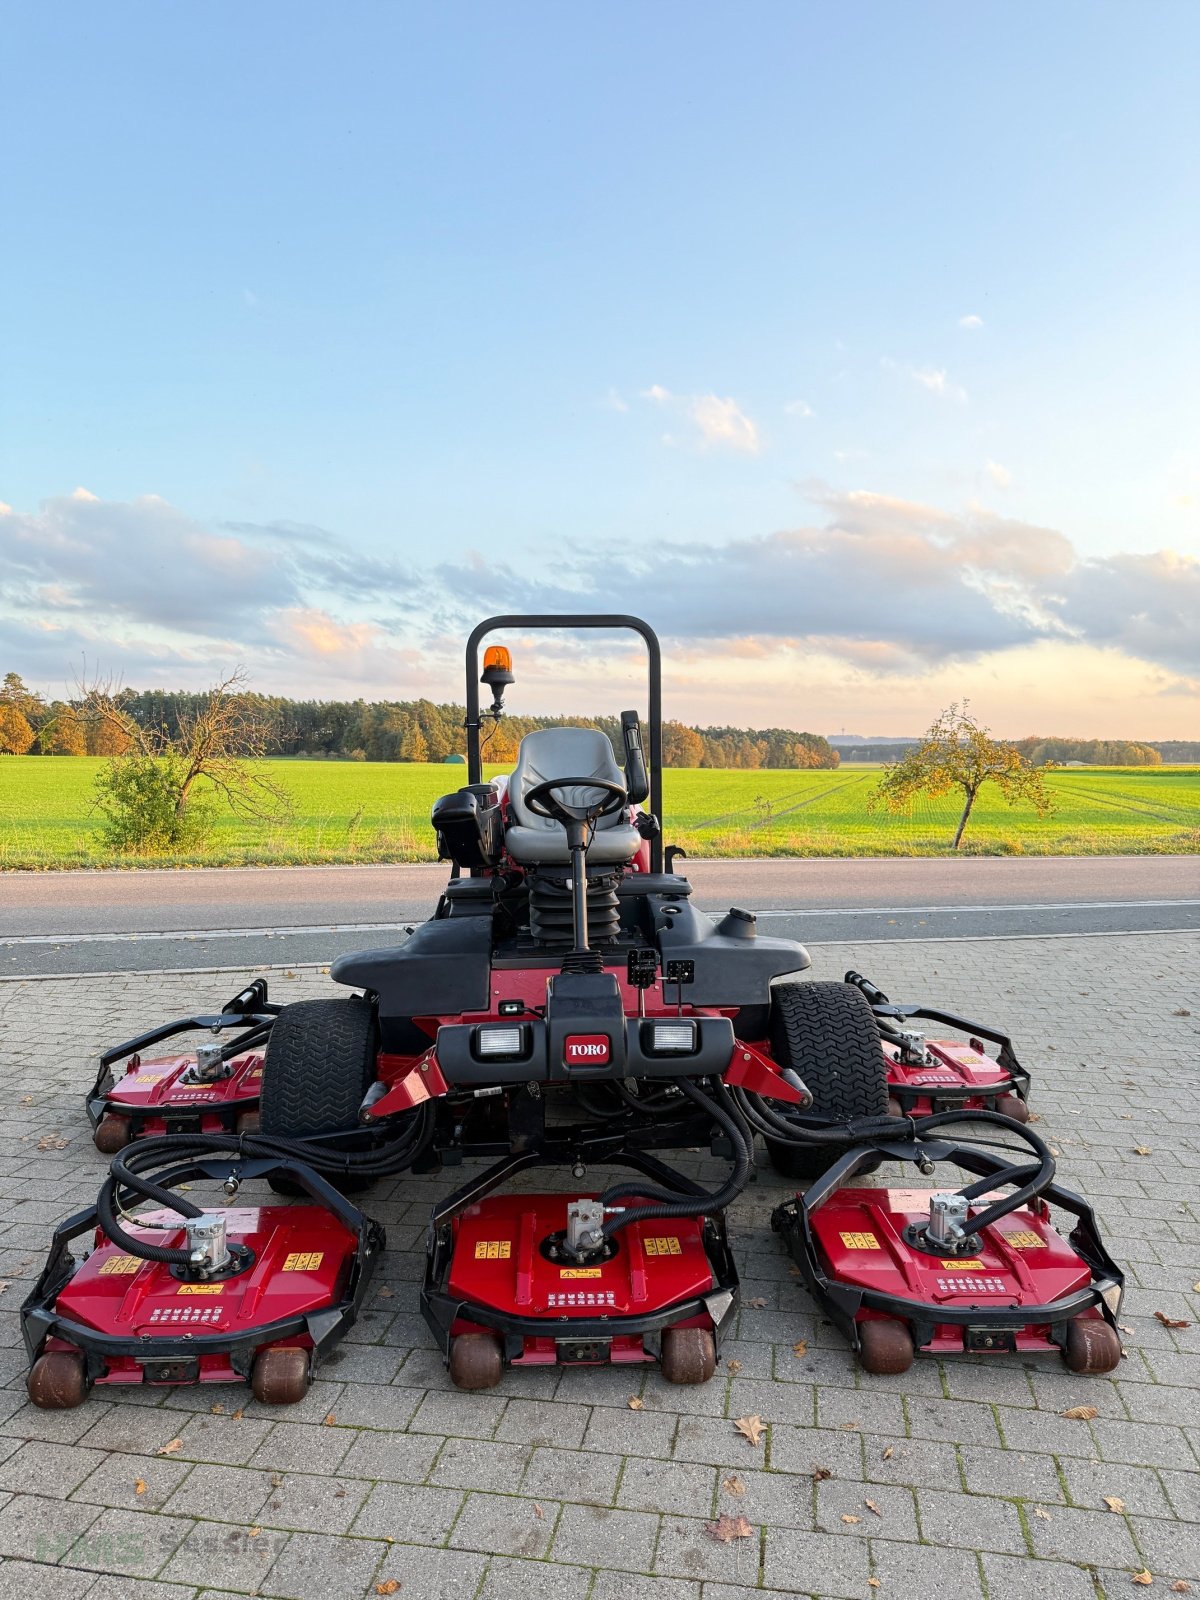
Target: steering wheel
543,801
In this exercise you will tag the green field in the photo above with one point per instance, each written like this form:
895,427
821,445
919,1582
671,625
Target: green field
356,811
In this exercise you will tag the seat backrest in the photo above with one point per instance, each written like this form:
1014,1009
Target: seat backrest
563,753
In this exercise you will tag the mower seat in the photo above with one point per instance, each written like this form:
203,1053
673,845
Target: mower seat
565,753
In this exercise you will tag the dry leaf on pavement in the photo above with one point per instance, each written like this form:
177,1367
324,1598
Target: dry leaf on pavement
1079,1413
1171,1322
388,1586
1143,1150
330,1420
734,1366
169,1448
800,1348
1114,1503
846,1517
635,1404
888,1453
140,1486
1145,1577
871,1506
819,1474
735,1485
1042,1513
726,1528
758,1302
750,1428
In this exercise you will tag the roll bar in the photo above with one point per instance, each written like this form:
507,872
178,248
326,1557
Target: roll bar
574,620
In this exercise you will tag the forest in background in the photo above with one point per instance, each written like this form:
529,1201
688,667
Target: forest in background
420,730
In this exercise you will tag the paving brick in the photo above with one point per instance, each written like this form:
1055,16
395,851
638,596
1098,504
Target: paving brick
33,1580
685,1488
1171,1548
583,1476
400,1511
116,1481
505,1524
134,1542
1143,1444
687,1550
616,1586
470,1416
1093,1536
975,1520
1019,1578
891,1513
929,1463
395,1457
593,1537
840,1566
478,1463
222,1557
302,1447
1015,1474
220,1494
921,1569
957,1421
34,1528
312,1566
315,1504
544,1422
49,1469
425,1574
640,1433
1091,1482
509,1579
808,1450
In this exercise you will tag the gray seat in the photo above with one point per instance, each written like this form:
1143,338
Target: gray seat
566,753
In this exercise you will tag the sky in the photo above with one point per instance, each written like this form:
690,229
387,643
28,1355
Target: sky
854,346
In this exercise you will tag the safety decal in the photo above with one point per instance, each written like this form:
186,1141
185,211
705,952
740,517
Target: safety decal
860,1241
669,1246
119,1264
493,1249
303,1261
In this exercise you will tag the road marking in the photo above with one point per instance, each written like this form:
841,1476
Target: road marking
303,930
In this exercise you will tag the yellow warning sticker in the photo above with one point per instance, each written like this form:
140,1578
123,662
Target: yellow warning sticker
148,1077
200,1288
493,1249
119,1264
970,1264
1026,1239
669,1246
581,1272
303,1260
860,1241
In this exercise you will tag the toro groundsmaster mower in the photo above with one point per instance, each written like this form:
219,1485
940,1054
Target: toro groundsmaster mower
566,1005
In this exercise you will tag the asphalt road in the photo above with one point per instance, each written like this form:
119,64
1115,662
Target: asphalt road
242,918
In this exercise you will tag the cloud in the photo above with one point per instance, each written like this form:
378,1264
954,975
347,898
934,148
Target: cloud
934,380
799,408
1000,476
614,401
882,588
970,322
717,421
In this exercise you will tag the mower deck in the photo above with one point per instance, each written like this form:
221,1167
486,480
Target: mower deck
153,1097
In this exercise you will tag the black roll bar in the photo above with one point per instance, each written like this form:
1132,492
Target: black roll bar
574,620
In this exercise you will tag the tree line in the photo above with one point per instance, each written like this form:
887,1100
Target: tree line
361,730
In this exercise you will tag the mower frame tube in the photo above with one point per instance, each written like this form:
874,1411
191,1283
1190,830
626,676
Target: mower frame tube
97,1102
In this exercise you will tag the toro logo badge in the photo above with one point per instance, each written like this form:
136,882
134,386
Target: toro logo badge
586,1050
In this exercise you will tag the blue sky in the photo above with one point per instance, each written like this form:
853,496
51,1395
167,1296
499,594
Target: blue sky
855,345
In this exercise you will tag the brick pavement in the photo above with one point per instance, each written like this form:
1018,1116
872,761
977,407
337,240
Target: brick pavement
959,1477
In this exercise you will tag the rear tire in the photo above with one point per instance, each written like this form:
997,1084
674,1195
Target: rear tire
885,1346
1092,1346
475,1361
826,1032
112,1133
318,1066
689,1355
57,1380
280,1377
1011,1105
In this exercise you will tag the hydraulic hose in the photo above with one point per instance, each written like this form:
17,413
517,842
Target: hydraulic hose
720,1109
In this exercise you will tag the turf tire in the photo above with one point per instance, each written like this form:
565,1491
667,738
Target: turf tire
319,1064
827,1033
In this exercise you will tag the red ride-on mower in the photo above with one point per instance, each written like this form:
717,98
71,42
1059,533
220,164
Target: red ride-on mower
980,1269
929,1075
183,1294
213,1089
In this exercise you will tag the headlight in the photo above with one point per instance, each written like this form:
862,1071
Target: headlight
501,1044
670,1038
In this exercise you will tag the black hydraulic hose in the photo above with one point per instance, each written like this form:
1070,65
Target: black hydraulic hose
124,1187
1030,1180
699,1205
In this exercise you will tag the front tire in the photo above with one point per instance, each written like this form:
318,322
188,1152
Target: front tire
826,1032
318,1066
